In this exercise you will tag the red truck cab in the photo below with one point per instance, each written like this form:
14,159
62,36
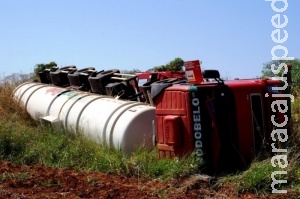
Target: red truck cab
225,123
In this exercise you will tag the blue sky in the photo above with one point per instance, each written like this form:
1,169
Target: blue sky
232,36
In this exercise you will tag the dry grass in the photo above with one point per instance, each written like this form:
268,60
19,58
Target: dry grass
10,109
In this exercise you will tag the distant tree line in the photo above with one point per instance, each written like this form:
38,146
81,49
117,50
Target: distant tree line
174,65
268,72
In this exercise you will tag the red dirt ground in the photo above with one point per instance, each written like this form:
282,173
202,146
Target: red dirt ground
39,181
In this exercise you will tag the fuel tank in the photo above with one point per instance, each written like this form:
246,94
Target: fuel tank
120,124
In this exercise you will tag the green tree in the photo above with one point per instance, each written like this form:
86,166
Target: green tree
267,69
174,65
41,67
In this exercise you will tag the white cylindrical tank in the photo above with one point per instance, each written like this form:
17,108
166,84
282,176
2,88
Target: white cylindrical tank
120,124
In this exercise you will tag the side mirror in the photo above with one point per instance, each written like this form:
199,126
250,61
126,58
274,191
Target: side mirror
212,74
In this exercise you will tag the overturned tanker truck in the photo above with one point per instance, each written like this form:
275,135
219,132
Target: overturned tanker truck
225,123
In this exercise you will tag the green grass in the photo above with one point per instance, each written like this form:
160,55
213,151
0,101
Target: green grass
257,178
33,144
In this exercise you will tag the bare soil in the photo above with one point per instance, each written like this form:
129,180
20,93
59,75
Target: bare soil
39,181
